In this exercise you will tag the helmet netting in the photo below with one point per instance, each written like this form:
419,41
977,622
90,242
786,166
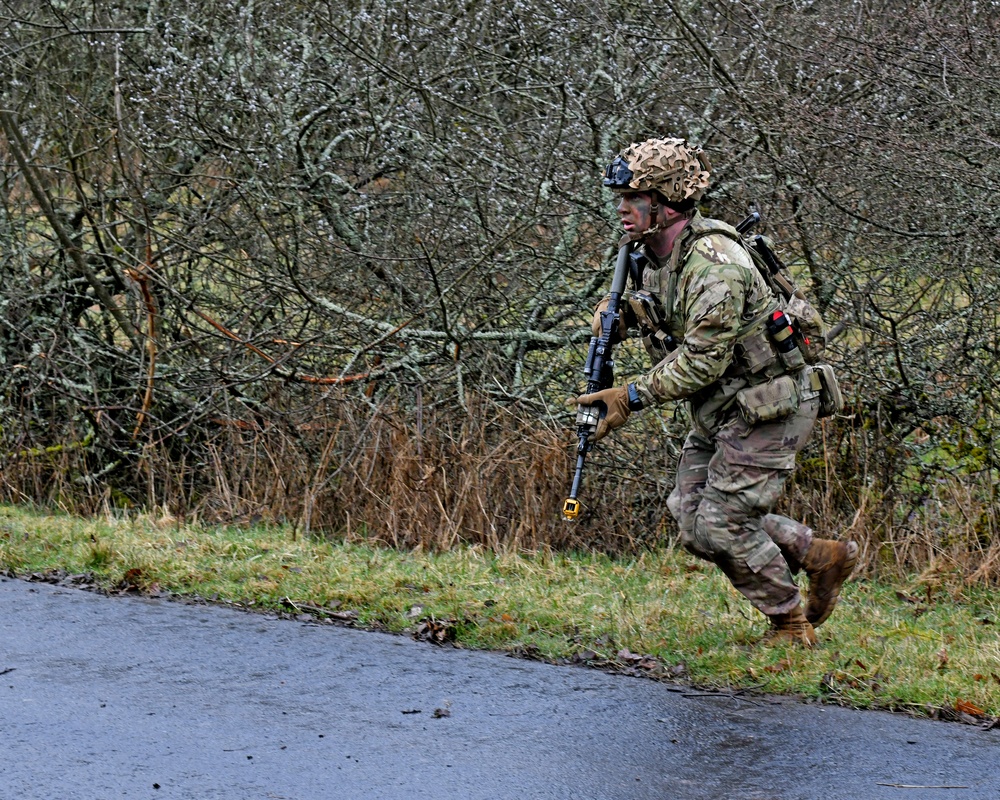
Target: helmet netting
672,167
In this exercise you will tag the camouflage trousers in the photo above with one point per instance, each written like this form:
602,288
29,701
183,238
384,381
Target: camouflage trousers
728,479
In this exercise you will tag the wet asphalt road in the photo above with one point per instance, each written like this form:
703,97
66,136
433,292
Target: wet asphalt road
129,697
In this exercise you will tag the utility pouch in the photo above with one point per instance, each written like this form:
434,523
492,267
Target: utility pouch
769,401
831,401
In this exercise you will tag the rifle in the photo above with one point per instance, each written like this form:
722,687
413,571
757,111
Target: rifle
599,367
600,371
776,272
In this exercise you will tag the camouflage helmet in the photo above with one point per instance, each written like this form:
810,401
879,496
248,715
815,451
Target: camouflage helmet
677,170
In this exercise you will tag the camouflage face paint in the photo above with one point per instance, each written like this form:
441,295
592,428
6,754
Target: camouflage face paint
634,211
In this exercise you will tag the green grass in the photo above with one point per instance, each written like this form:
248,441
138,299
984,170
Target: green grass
901,646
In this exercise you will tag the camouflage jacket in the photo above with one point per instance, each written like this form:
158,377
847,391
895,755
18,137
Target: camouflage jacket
717,291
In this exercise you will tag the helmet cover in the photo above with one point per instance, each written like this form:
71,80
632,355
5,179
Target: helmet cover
677,170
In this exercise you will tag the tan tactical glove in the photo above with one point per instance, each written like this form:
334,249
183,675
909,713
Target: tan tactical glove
615,408
595,326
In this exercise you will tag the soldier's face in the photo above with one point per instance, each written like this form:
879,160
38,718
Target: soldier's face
633,210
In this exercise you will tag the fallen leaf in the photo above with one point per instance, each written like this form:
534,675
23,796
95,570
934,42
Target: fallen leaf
965,707
436,631
132,577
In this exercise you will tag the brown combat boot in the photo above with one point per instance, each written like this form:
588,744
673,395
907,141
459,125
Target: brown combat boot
790,628
828,564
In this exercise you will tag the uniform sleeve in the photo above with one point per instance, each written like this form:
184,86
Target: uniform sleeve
712,290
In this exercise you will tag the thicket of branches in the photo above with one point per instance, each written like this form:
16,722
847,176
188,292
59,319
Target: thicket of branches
334,263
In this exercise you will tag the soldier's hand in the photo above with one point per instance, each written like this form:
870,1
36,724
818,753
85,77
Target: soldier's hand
612,405
595,325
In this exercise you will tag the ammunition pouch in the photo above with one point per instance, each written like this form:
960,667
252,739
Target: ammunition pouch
754,352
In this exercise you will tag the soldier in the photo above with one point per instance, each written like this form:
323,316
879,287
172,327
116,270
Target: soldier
704,311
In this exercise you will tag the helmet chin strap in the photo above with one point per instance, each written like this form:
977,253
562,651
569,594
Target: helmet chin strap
654,217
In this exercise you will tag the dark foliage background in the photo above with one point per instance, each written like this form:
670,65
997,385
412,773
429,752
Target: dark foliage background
333,263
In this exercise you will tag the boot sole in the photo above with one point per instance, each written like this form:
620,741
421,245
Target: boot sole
845,572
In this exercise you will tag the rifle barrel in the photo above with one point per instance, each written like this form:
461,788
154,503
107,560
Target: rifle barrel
747,222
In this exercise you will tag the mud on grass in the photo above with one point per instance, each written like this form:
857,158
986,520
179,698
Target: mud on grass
926,647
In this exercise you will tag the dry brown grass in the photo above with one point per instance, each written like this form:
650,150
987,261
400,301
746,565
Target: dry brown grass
906,520
496,477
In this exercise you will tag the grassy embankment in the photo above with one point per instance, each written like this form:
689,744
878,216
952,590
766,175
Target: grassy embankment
919,645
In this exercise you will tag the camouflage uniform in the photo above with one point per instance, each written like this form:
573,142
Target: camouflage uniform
730,472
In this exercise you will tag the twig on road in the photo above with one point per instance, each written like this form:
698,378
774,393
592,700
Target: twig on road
910,786
734,695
